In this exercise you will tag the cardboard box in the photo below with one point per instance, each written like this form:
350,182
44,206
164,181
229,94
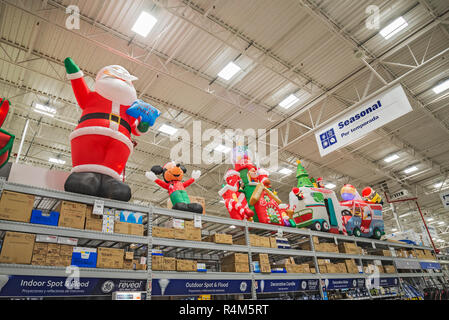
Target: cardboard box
312,270
220,238
157,263
128,265
192,234
235,267
264,242
253,241
273,243
351,266
262,258
326,247
389,269
129,255
72,214
128,228
38,259
174,223
162,232
17,248
108,223
53,250
66,260
332,268
110,258
348,248
235,258
16,206
94,224
180,234
40,248
185,265
169,264
66,250
53,261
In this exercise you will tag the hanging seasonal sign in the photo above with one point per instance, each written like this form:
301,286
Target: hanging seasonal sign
360,121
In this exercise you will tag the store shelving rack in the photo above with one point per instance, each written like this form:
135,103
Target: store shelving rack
195,249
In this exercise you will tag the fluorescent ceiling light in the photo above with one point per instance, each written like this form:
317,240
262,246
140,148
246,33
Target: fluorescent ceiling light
223,149
289,101
433,222
57,161
441,223
405,214
232,227
393,28
430,219
441,87
394,229
411,169
391,158
45,110
438,185
229,71
285,171
144,24
165,128
329,186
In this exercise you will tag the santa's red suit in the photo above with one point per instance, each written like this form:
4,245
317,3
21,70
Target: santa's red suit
235,200
102,140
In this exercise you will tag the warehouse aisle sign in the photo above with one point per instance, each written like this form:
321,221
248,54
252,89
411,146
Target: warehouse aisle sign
40,286
184,287
331,284
357,123
271,286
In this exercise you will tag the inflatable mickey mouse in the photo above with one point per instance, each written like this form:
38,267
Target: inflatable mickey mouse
173,174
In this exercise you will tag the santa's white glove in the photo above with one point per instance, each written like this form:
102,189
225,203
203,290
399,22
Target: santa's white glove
151,175
196,174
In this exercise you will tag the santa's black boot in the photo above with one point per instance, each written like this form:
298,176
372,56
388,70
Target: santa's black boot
84,183
195,207
113,189
181,206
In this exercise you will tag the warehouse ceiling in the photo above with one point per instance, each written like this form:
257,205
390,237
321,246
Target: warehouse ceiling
322,51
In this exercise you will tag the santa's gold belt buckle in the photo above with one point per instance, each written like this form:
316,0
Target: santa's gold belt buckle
114,118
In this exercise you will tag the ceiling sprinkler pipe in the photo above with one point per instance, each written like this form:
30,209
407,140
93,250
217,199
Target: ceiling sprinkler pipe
425,224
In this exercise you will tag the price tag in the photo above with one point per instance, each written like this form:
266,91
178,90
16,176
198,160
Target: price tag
197,221
98,207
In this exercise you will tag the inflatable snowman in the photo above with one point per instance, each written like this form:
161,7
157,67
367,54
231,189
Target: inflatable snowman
101,143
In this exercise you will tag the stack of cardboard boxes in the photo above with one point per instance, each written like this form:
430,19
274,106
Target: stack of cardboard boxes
185,265
351,266
290,266
235,262
424,254
178,229
221,238
385,253
389,269
322,247
16,206
162,263
349,248
326,266
128,260
257,241
110,258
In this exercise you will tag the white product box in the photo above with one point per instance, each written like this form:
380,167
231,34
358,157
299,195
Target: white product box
143,260
174,223
108,224
46,238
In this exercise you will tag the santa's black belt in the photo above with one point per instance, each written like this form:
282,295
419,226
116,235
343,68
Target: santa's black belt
106,116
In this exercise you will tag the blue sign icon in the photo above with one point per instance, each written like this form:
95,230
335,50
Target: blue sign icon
328,138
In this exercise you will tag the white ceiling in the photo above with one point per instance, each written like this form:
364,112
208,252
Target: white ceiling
282,46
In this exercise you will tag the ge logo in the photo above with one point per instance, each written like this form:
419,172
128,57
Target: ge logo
304,285
107,286
354,283
243,286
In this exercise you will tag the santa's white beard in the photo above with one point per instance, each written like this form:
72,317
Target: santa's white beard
116,90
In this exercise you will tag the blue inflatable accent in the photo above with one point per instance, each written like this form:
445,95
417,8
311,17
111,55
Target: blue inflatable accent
145,110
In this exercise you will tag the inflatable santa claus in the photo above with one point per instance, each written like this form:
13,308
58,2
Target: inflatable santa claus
6,138
101,143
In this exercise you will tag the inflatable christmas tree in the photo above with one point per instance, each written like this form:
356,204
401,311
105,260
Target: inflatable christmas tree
302,176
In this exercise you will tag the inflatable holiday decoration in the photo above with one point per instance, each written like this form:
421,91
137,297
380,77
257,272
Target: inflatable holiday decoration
173,174
234,197
6,139
371,196
101,143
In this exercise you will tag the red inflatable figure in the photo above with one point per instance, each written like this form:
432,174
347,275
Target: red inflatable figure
101,143
234,197
6,139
